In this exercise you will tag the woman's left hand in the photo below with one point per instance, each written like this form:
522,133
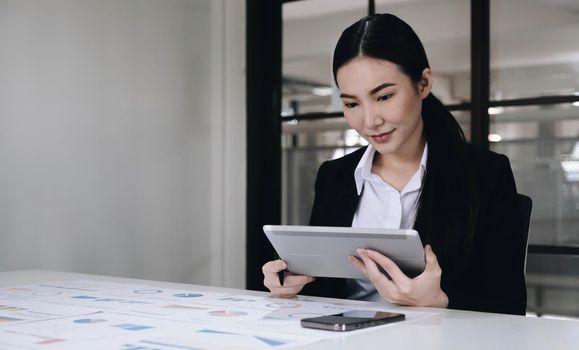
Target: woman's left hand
423,290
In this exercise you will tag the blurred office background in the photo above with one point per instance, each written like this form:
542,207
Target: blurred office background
128,146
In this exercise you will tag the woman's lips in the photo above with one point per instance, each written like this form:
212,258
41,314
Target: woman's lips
383,138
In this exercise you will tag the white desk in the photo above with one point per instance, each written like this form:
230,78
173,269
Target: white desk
450,329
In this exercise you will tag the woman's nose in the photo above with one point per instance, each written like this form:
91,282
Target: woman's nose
372,118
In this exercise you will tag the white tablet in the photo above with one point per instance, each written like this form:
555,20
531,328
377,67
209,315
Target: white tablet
323,251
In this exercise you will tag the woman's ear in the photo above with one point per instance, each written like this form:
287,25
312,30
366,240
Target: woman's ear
425,83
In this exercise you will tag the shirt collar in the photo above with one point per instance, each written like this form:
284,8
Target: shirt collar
364,167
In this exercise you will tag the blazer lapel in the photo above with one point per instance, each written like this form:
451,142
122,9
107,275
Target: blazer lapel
346,203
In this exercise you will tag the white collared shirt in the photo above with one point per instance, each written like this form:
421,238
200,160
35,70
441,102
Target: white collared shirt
382,206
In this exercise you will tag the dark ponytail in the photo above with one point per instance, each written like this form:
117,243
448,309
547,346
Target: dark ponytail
448,202
447,206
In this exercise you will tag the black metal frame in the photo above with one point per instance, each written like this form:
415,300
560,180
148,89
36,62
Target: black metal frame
480,71
264,50
371,7
263,69
553,249
535,101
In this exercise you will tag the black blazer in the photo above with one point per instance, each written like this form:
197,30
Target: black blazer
492,281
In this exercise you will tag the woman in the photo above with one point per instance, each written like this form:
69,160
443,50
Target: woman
417,172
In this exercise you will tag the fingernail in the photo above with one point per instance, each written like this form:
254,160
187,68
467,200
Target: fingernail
360,251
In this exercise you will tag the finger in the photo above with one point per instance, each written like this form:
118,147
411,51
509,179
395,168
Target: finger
383,285
270,273
372,272
274,266
389,266
286,292
357,264
293,284
296,280
360,264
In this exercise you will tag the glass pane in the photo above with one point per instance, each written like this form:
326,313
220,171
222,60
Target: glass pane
552,284
306,145
542,143
463,118
534,50
310,31
307,76
444,29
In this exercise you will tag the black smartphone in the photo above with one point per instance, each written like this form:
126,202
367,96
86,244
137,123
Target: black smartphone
351,320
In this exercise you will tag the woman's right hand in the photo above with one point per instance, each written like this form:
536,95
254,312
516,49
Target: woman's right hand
292,285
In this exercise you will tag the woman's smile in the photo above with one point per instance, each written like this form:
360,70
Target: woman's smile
384,137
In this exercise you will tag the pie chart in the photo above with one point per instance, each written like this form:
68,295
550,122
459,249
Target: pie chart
283,305
188,295
227,313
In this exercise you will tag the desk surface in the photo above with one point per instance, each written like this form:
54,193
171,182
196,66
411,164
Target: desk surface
449,329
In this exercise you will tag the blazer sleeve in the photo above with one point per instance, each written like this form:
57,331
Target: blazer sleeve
496,280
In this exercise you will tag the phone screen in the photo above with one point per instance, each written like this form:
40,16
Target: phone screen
351,320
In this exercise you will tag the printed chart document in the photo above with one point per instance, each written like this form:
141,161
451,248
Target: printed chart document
84,314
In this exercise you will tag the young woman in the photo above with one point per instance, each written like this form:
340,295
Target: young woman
417,172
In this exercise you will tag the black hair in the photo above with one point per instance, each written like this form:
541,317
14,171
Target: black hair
447,205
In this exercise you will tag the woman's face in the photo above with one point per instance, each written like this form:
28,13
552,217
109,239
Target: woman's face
382,104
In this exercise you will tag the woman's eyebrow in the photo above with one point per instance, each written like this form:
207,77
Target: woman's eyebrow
380,87
342,95
372,92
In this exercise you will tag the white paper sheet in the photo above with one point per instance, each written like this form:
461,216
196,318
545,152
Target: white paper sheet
95,315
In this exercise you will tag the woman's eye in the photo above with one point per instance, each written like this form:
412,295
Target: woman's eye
350,105
384,97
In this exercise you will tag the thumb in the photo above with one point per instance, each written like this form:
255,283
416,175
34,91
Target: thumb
280,265
430,257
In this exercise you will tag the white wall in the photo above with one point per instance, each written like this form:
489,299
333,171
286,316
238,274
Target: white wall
108,136
229,143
